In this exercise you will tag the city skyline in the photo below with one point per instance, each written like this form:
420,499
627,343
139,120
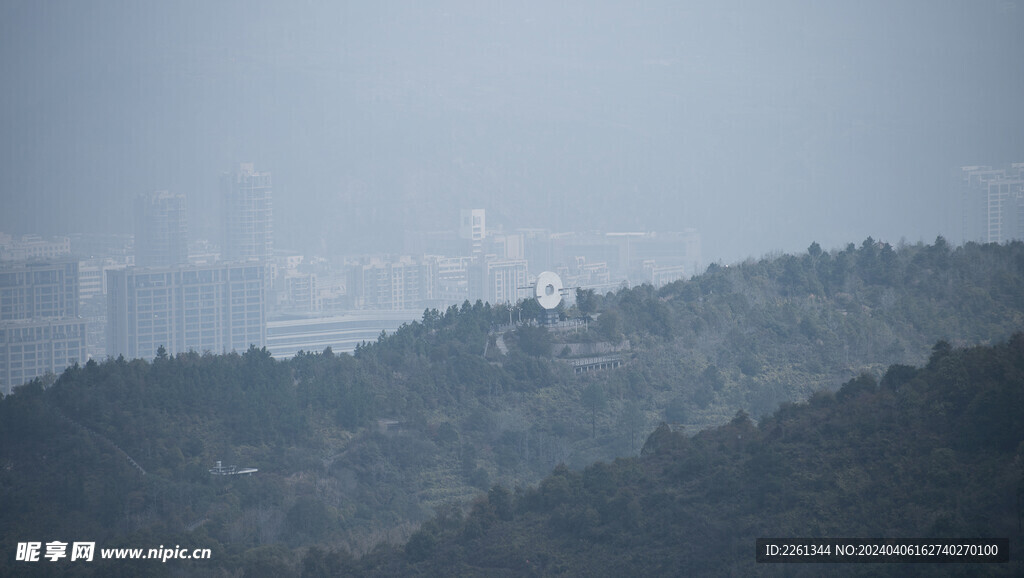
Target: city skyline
152,293
394,156
764,126
580,287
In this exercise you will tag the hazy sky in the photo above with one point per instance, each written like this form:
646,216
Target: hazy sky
765,125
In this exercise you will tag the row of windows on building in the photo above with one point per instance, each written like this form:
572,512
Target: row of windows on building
214,308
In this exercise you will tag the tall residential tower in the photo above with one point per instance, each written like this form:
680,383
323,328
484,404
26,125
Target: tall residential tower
161,229
473,228
248,215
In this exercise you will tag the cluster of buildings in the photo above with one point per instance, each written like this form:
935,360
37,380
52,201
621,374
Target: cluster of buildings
319,303
69,299
496,266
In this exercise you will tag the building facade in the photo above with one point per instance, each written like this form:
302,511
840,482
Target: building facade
161,229
38,289
217,308
498,280
300,292
450,280
92,300
659,276
32,247
34,348
248,211
993,203
40,331
473,228
392,285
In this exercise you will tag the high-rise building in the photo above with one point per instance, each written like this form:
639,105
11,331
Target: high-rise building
92,300
216,308
498,280
300,292
36,347
40,331
161,229
450,280
473,228
38,289
507,245
993,203
248,215
392,285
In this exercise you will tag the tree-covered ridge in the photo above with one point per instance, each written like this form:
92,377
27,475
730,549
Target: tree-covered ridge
359,449
934,452
328,474
754,334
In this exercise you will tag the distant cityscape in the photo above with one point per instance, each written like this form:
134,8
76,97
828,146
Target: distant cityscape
70,299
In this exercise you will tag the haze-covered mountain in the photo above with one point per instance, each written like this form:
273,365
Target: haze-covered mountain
355,450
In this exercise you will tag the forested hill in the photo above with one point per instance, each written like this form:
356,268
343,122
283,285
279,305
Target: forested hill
936,452
354,450
751,335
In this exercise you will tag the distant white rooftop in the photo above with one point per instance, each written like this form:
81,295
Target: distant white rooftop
287,335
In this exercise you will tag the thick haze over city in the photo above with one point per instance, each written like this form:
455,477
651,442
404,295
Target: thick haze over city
510,287
763,125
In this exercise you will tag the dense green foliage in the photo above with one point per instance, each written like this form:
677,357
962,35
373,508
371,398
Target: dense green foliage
933,453
752,335
354,450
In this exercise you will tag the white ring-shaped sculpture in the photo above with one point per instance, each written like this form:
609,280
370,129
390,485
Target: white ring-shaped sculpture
548,290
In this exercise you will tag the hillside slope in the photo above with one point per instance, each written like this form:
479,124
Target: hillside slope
931,453
355,450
